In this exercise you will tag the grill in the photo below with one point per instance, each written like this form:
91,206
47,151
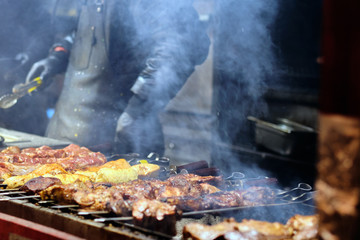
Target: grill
106,225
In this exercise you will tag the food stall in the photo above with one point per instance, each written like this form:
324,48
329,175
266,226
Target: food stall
282,173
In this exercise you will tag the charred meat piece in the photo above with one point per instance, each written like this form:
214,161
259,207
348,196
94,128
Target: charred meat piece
38,184
155,215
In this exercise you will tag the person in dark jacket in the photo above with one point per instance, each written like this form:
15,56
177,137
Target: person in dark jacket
124,62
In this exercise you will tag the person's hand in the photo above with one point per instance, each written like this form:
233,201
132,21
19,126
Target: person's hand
46,69
124,132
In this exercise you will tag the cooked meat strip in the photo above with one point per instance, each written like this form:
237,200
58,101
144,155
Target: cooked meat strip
38,184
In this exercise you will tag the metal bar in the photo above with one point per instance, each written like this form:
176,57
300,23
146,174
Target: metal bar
64,206
11,193
113,219
84,213
18,198
45,201
9,190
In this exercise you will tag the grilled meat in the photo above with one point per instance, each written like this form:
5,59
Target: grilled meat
198,231
155,215
38,184
223,199
184,178
186,195
17,181
257,196
255,230
64,193
230,229
93,198
72,157
304,227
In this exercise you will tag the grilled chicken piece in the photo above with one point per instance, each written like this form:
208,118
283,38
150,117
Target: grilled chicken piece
147,170
17,170
4,173
67,178
116,175
118,164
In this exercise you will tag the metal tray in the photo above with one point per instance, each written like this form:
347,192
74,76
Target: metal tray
285,137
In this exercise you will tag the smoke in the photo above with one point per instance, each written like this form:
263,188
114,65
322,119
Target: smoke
244,61
244,30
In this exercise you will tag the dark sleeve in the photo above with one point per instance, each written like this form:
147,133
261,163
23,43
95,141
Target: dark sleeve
38,28
46,29
178,43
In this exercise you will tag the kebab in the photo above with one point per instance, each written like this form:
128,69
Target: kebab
188,192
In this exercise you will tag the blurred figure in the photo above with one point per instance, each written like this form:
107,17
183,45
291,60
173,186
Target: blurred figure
124,62
25,31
